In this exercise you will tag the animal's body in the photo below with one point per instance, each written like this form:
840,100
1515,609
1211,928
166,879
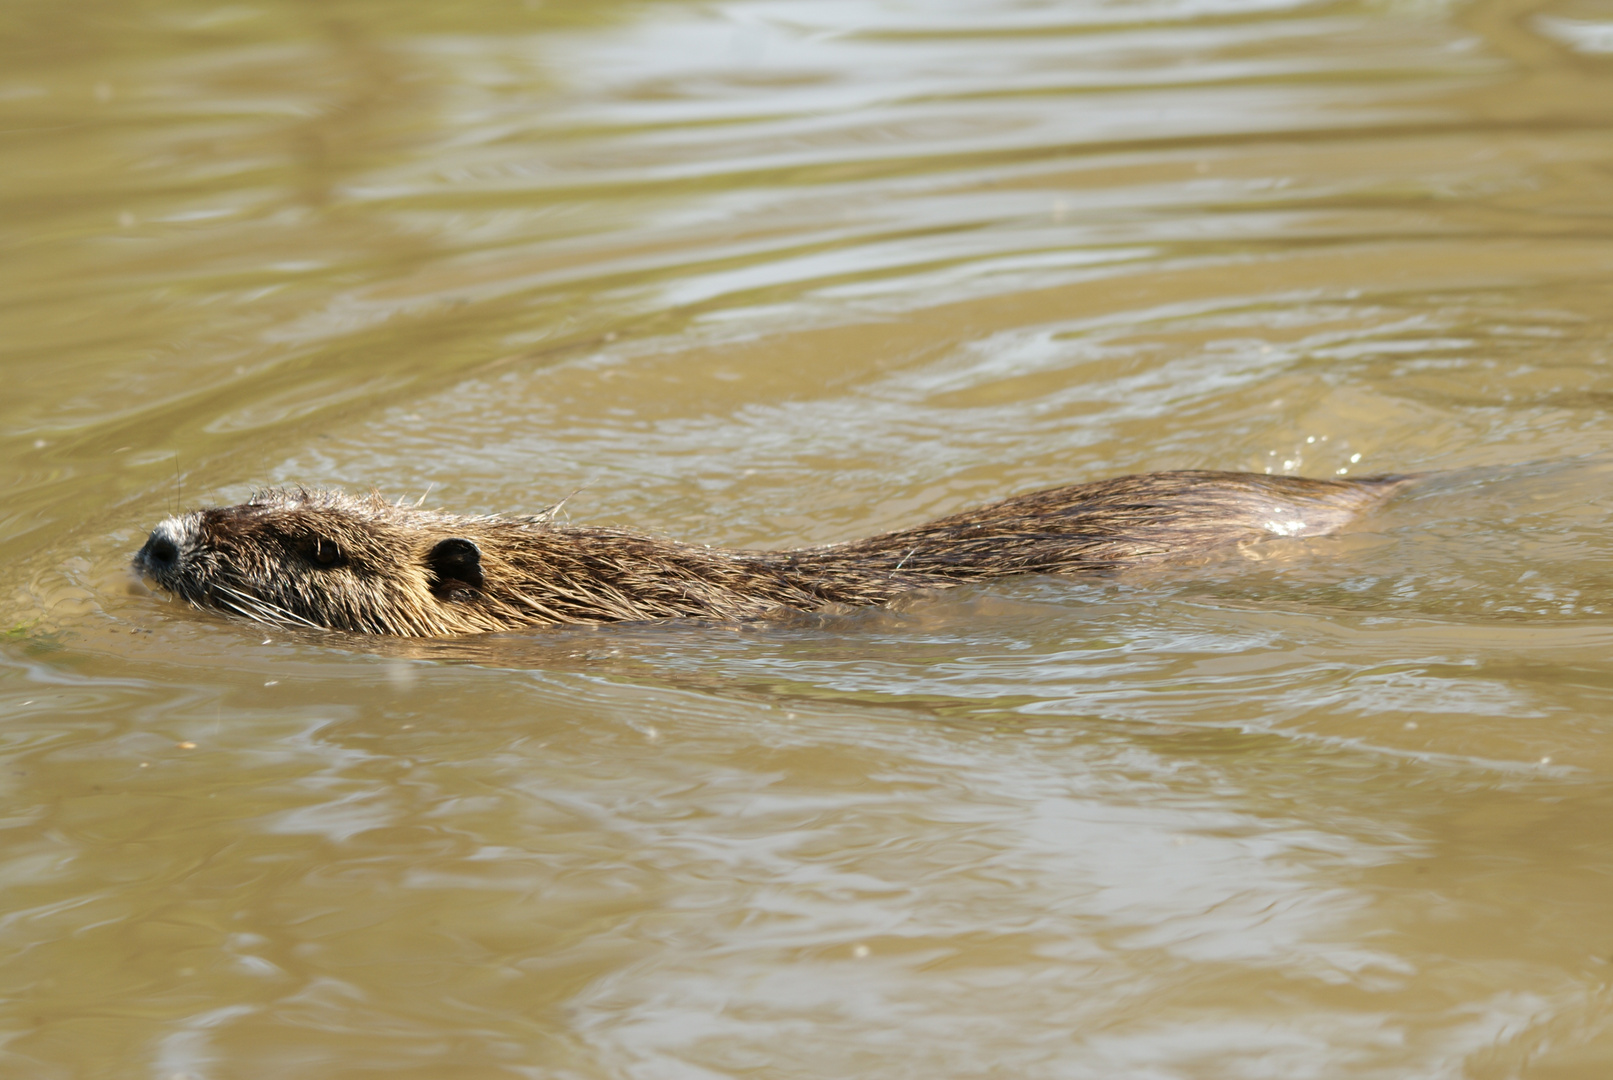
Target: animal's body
325,559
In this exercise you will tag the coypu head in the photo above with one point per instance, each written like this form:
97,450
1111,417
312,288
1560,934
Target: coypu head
322,559
327,560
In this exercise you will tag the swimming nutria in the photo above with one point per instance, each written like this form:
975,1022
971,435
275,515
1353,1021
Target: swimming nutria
325,559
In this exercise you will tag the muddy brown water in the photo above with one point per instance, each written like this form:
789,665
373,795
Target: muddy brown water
771,272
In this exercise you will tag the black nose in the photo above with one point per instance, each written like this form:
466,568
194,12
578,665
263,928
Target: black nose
161,551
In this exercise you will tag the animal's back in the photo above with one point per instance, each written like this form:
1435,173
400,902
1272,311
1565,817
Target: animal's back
1119,522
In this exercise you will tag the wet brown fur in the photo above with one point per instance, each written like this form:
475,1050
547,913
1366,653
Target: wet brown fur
325,559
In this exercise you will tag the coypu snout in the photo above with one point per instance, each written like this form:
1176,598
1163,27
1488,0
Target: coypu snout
327,560
159,559
161,552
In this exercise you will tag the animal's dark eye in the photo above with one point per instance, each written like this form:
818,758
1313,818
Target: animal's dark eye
324,552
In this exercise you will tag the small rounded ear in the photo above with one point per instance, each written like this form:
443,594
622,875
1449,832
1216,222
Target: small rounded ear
455,559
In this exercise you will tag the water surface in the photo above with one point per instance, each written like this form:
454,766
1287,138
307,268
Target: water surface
765,273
